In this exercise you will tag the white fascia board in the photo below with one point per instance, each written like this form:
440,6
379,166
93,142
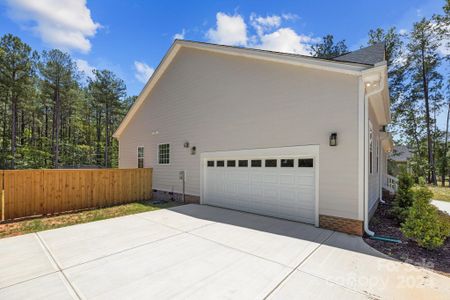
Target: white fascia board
286,58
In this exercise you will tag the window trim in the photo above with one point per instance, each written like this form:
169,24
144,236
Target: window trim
157,158
143,156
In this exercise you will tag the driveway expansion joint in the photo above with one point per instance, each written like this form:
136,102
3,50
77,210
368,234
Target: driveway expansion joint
54,261
298,265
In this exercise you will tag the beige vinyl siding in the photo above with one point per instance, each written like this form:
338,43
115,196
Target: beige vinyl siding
218,102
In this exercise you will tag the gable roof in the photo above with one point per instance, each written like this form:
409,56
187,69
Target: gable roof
332,65
369,55
400,154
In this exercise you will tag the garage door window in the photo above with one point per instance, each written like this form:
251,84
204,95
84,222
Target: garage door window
271,163
210,163
231,163
256,163
221,163
243,163
287,163
305,163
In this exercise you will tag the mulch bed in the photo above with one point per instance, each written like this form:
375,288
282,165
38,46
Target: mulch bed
408,251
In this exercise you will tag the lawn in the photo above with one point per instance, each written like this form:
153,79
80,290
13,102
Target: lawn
440,193
45,223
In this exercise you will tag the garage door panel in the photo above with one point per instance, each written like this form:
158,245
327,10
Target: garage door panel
286,192
287,179
304,180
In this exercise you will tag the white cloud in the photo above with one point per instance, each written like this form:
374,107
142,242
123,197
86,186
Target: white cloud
403,31
85,67
143,71
290,17
180,36
263,24
230,30
270,34
286,40
65,24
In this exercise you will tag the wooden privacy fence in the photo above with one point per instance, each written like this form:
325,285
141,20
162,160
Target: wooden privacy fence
27,193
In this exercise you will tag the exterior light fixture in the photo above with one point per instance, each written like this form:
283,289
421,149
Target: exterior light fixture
193,150
186,144
333,139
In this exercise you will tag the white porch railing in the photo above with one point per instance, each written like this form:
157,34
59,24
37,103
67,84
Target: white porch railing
391,183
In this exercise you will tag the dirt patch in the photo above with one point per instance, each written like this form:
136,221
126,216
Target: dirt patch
408,251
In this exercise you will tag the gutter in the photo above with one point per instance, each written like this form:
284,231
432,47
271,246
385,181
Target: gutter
379,89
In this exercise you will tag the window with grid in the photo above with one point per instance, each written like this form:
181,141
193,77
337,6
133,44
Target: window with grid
140,157
164,154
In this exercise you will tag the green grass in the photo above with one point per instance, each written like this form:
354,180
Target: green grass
440,193
45,223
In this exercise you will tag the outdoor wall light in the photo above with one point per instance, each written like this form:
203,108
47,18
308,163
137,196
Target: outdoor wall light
333,139
193,150
186,144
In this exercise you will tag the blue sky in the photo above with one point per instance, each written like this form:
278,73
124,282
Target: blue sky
131,37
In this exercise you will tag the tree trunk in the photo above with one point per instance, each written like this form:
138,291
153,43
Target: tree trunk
445,162
13,131
432,169
33,129
107,120
56,128
99,136
5,136
22,127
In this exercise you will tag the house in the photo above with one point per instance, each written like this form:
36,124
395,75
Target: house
398,159
277,134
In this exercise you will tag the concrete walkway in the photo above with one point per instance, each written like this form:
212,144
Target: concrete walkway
442,205
202,252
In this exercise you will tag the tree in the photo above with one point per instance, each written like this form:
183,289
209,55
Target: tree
404,197
58,72
423,62
328,49
107,91
16,73
393,42
445,151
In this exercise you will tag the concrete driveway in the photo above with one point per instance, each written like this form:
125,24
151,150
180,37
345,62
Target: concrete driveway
442,205
203,252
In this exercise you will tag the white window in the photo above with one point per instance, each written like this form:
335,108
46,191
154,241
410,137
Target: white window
140,156
370,148
164,154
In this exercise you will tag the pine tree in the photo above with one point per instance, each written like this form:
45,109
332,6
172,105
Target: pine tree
16,73
328,49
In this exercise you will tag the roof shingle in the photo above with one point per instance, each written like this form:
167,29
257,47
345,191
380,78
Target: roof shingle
368,55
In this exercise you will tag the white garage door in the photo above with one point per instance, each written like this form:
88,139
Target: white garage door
276,185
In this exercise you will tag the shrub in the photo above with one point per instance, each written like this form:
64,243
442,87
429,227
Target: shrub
404,197
423,223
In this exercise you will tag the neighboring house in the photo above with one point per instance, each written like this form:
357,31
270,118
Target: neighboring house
254,130
398,159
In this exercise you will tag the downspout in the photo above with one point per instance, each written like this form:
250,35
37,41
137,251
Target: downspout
366,156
